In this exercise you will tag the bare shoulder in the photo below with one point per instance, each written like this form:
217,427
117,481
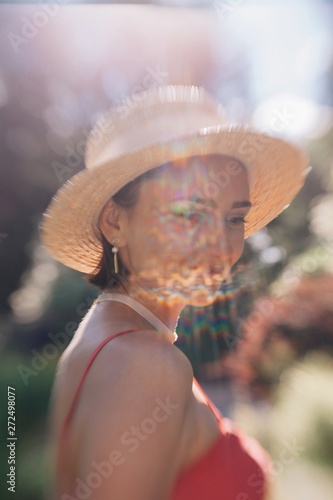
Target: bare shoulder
136,363
135,399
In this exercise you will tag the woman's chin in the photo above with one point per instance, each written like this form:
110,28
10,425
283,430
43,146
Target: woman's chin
203,298
199,291
203,295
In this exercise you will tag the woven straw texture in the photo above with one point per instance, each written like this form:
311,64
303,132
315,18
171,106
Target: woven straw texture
68,228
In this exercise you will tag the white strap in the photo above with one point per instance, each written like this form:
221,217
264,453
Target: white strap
140,309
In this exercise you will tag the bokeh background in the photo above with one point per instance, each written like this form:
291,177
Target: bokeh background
265,352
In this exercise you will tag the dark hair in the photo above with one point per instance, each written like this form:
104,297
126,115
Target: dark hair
104,275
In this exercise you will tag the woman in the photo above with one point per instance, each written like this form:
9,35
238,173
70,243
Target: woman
156,221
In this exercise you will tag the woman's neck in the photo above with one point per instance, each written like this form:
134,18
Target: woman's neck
166,311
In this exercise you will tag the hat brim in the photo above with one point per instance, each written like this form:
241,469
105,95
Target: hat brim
67,228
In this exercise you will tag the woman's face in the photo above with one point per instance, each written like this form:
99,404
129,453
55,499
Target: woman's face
187,229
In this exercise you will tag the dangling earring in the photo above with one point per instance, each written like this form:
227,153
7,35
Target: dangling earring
115,249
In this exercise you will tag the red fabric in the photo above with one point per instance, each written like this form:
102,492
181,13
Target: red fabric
233,468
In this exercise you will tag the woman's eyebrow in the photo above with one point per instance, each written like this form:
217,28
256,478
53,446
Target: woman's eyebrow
242,204
194,199
208,201
237,204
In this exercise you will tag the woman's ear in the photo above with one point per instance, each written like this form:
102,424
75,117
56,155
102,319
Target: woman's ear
111,222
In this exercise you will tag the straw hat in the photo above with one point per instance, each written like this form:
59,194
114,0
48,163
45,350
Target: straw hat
157,126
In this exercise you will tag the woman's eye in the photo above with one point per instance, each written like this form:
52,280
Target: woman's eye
236,220
186,212
188,215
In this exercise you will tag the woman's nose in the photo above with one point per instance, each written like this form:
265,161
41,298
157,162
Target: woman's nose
218,240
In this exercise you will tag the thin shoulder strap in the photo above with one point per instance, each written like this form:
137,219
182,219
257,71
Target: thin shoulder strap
209,402
66,422
85,371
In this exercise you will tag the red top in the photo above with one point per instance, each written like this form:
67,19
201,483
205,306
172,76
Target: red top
233,468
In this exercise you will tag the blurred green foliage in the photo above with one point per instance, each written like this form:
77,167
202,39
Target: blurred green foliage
31,416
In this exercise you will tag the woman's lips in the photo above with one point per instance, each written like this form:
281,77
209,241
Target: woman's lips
211,271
